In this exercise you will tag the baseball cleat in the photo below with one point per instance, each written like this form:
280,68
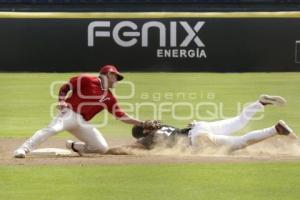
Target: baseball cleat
70,145
283,129
19,153
272,100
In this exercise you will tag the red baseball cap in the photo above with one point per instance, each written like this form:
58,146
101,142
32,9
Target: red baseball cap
111,68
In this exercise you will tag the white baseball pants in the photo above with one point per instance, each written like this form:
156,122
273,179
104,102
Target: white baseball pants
220,132
92,139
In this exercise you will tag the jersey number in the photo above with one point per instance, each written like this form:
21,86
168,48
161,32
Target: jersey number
166,130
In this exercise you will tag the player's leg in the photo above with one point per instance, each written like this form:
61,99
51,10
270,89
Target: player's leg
91,139
238,142
199,129
229,126
64,120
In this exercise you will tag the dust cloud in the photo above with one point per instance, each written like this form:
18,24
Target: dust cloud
275,146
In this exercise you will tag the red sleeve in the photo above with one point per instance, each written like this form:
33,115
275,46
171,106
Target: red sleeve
73,83
64,89
114,108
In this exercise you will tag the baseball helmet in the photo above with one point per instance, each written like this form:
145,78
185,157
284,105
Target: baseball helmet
137,132
111,68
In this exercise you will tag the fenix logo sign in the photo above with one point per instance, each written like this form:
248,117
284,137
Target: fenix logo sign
130,34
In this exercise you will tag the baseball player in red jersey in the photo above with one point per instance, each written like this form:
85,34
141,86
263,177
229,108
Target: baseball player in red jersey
90,95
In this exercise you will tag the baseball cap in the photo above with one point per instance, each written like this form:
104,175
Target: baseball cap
111,68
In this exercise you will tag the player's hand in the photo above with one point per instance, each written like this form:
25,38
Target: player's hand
151,124
61,105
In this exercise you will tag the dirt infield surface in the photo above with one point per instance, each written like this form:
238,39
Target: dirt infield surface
275,150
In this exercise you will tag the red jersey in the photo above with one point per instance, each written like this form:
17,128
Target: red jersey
89,98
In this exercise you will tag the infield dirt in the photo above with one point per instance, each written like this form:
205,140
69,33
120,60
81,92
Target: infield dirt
277,149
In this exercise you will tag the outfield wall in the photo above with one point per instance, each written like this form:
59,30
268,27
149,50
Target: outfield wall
222,42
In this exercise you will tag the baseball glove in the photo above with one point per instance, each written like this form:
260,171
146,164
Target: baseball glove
151,124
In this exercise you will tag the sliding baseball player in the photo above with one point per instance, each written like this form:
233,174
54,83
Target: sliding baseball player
217,133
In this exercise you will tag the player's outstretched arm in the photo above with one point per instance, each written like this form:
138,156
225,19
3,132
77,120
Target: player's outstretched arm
147,125
130,120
